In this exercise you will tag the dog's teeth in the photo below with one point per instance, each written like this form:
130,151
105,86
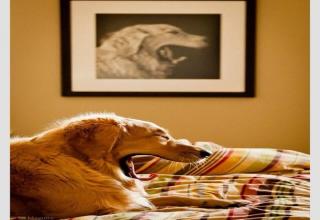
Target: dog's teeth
166,53
178,60
132,172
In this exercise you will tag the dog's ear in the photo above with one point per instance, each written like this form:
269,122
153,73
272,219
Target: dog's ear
130,43
93,139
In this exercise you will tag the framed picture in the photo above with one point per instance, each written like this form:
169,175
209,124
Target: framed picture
158,48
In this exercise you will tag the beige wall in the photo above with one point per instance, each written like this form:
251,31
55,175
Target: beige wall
277,117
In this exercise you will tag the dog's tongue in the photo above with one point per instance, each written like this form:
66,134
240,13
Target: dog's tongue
133,174
166,53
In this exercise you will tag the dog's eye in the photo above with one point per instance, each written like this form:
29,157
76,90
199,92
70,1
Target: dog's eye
174,32
164,137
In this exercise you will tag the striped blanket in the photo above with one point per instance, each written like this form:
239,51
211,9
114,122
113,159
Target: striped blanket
275,182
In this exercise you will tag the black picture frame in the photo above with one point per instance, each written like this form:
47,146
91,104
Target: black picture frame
249,59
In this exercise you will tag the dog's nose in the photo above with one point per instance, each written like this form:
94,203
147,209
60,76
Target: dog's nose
204,153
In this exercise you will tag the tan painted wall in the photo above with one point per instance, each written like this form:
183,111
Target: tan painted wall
277,117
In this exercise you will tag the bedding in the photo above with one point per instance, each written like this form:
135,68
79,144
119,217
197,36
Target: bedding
274,182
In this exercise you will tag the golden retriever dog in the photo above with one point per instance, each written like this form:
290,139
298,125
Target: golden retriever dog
83,166
143,51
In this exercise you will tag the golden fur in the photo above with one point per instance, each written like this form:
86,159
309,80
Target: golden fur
73,169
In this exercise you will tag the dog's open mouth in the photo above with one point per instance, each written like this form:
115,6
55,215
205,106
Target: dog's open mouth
128,169
166,54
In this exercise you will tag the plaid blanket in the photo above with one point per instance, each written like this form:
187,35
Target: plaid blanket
275,182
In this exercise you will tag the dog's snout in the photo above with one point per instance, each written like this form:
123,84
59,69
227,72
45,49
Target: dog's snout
204,153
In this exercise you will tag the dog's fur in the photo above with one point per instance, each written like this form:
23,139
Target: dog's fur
73,169
142,51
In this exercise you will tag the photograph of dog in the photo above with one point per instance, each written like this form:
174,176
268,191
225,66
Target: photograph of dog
83,166
157,46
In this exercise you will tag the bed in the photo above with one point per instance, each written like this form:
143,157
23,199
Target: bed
274,182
